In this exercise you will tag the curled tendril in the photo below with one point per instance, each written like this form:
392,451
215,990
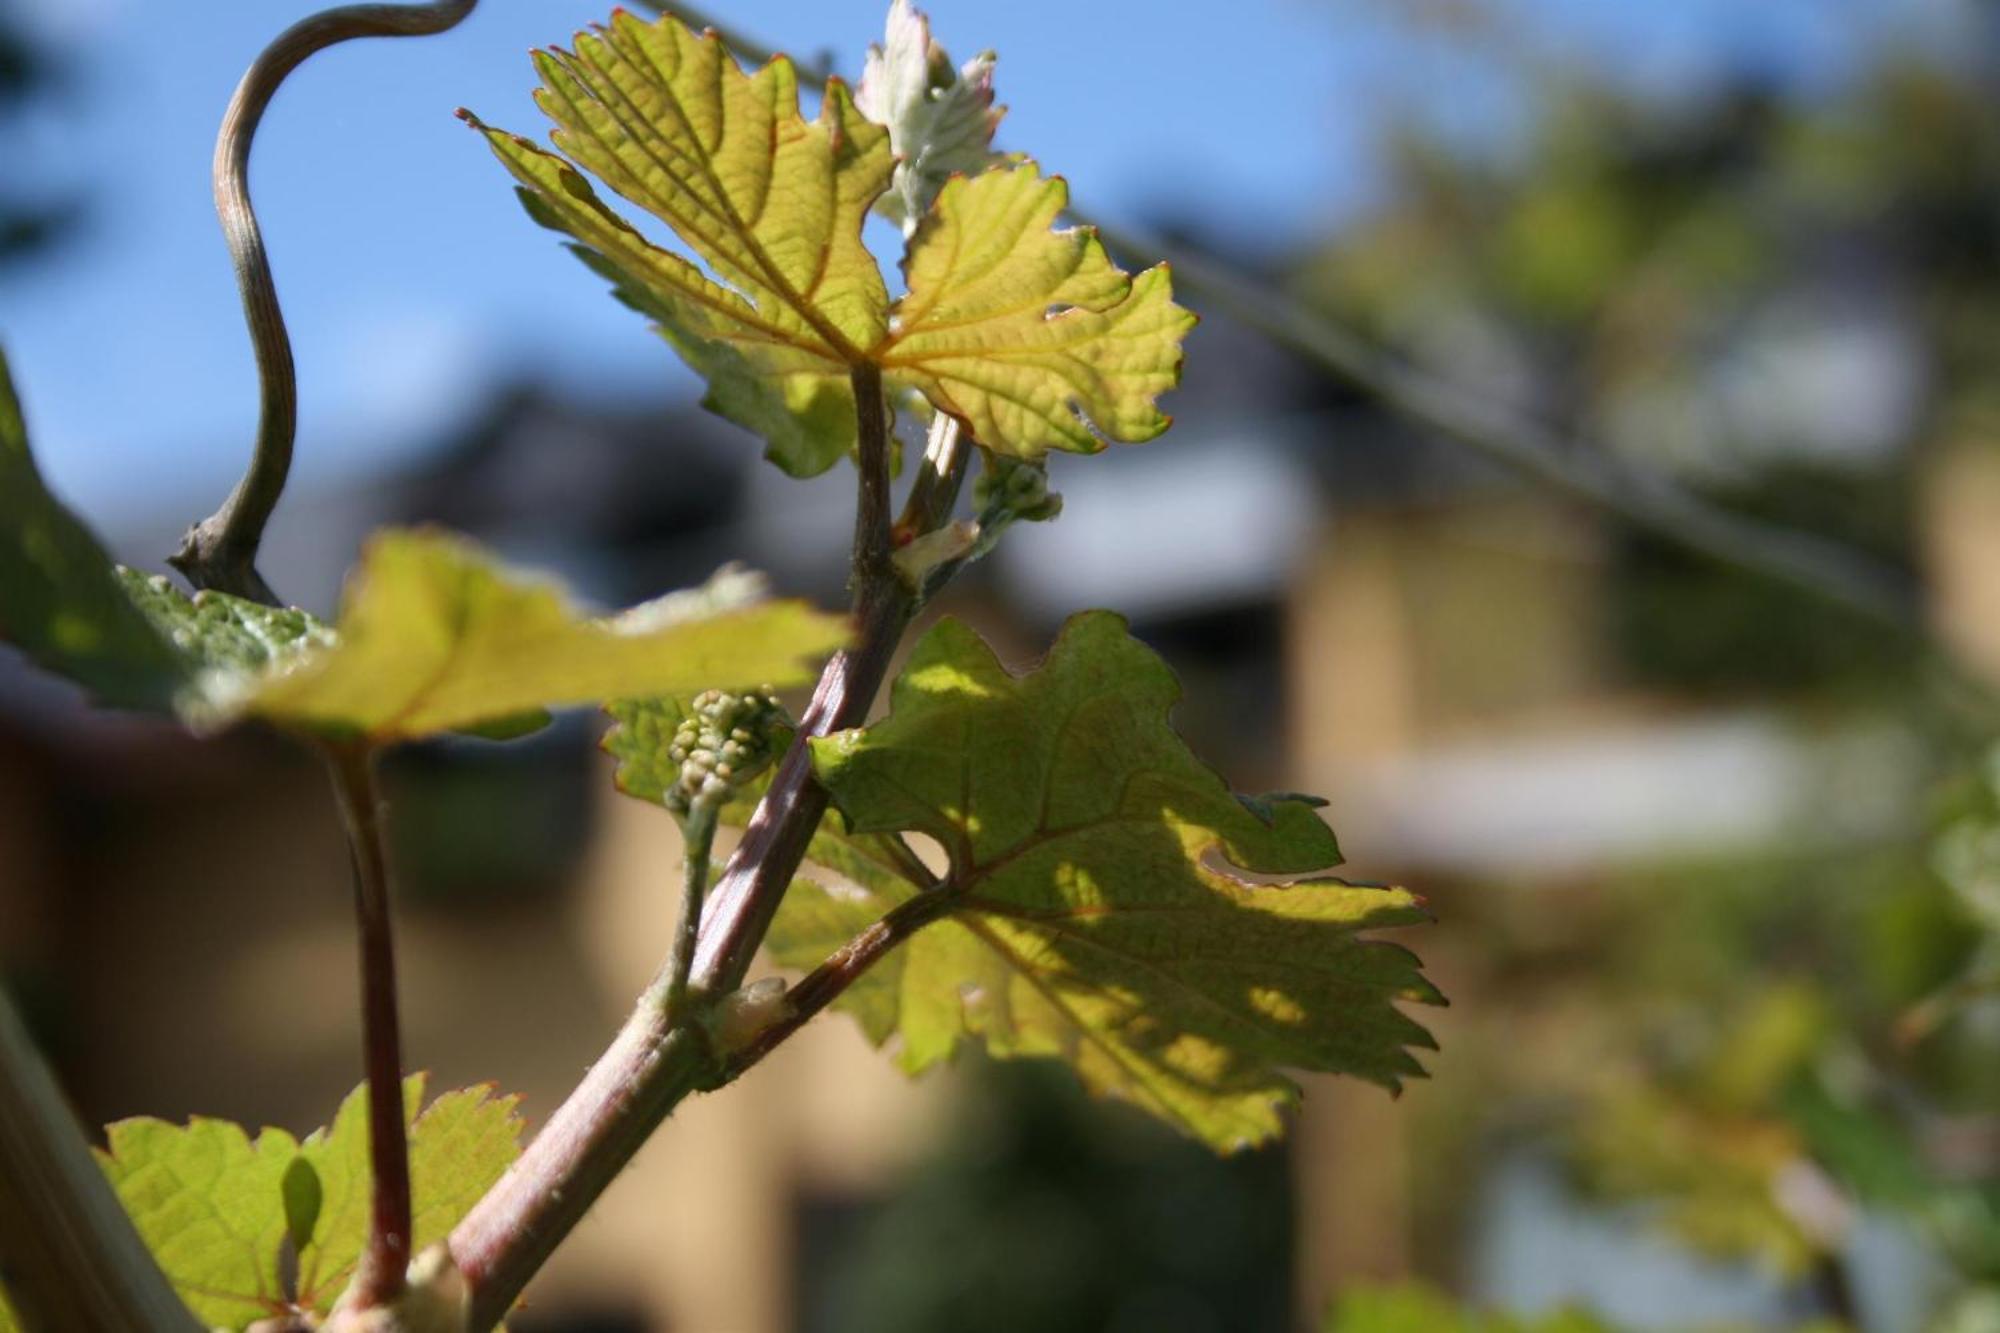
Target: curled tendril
221,551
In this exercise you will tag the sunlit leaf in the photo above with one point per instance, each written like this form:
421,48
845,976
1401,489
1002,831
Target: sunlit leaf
215,1206
209,1203
433,636
770,203
1030,336
1023,332
60,602
1103,909
459,1147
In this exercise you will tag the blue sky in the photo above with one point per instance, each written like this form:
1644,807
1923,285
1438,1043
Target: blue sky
412,281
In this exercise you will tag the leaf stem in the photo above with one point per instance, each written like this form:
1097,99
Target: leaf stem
652,1063
908,864
775,840
872,534
380,1276
220,552
70,1255
698,840
825,983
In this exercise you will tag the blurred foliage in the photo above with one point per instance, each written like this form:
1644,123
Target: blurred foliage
1734,1043
1682,622
1790,302
1966,856
1785,301
1419,1309
1046,1211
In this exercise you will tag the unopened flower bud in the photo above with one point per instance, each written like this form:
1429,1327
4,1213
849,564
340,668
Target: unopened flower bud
724,741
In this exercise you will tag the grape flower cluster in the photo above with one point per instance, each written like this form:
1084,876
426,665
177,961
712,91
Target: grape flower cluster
724,741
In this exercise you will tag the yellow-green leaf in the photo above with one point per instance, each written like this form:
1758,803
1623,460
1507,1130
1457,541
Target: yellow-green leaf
215,1206
435,637
1023,332
223,639
772,204
459,1147
209,1203
1028,335
1105,908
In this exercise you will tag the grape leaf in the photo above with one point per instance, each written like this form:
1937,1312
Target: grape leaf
459,1147
975,334
940,121
1103,909
217,631
214,1205
1028,336
772,204
209,1203
433,637
59,602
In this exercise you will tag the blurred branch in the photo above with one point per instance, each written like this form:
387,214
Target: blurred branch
68,1252
1821,566
221,551
1577,469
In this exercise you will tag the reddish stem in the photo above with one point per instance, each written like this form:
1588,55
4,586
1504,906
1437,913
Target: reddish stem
380,1276
825,983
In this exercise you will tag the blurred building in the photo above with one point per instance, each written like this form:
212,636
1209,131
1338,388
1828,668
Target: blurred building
1356,612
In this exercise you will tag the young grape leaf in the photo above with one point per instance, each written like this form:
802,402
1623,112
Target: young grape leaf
459,1147
1103,905
940,121
434,637
975,334
59,601
214,1205
1020,332
773,205
209,1203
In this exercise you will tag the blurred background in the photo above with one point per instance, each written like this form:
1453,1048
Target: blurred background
1716,864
